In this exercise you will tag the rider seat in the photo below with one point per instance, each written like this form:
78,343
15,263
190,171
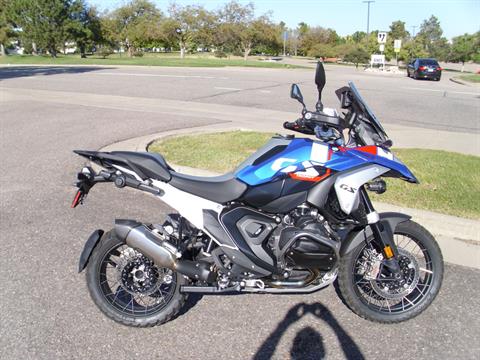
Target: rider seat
220,189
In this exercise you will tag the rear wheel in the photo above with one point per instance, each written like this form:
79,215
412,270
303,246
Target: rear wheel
370,292
129,288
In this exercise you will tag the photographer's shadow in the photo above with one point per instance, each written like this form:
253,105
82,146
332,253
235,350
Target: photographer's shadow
308,343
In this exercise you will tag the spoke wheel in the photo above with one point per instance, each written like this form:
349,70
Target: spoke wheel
132,284
370,290
376,288
129,288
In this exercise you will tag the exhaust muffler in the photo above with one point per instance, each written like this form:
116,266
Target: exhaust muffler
163,253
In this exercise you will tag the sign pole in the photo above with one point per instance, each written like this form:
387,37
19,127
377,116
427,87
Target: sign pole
397,45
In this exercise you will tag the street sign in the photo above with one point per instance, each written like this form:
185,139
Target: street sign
382,37
397,45
285,35
377,59
382,47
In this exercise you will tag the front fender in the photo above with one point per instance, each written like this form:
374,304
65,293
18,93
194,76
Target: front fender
88,248
389,220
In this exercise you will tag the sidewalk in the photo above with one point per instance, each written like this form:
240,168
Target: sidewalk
458,238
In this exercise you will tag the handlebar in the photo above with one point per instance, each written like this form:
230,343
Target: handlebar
290,125
301,125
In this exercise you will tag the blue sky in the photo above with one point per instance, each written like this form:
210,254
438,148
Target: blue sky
347,16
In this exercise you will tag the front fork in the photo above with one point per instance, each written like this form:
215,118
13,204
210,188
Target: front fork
383,235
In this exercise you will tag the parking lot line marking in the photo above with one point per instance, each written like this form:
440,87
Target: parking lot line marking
447,91
226,88
159,75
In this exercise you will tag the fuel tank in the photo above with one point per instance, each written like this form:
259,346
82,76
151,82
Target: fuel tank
311,160
281,156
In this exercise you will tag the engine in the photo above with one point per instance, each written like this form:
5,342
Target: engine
304,241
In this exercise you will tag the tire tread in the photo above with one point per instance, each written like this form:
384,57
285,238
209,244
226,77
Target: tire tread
351,299
179,299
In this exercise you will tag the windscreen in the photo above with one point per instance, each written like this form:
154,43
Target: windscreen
365,107
428,62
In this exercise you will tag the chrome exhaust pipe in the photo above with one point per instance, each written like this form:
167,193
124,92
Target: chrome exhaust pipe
161,252
164,254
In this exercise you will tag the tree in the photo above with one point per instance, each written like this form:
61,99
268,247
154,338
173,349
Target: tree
322,51
6,29
238,28
260,31
463,48
430,35
413,49
357,55
358,36
476,54
136,24
318,35
43,22
189,26
397,32
370,43
110,38
342,50
232,18
84,26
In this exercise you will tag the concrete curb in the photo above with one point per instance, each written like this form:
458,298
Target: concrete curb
458,238
462,82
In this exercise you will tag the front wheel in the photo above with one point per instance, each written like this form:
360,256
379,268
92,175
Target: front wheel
129,288
370,292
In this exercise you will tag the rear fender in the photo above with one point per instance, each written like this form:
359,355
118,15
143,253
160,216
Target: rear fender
88,248
390,220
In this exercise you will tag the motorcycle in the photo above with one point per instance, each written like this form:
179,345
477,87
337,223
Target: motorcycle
291,219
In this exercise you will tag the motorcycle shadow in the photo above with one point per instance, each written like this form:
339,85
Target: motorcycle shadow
308,343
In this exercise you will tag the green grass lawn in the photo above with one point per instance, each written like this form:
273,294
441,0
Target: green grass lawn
475,78
171,59
449,182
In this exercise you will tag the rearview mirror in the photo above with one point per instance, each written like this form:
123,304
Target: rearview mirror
320,81
295,93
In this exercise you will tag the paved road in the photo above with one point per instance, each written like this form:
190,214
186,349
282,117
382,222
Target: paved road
46,311
396,99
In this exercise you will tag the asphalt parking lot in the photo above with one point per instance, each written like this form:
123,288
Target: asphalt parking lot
46,312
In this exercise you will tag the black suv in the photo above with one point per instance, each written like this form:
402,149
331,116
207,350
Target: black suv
424,69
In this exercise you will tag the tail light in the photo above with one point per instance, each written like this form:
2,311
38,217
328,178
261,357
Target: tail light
421,68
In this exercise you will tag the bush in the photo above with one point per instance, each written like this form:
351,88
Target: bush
138,53
322,50
220,54
476,58
27,48
357,56
104,51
